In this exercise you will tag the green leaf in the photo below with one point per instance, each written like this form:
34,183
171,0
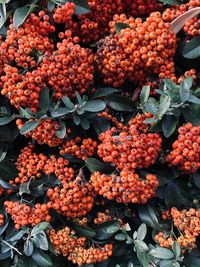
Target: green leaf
27,113
140,246
44,101
184,89
94,106
172,196
17,235
60,112
190,116
113,228
61,132
166,263
120,25
142,231
29,126
144,95
148,216
95,165
39,228
194,99
24,188
50,5
81,7
4,184
8,170
170,84
84,230
3,16
165,102
5,120
76,119
151,106
21,13
106,230
120,237
120,103
170,2
41,258
28,247
161,253
169,124
85,123
192,49
41,241
144,259
176,249
68,102
105,91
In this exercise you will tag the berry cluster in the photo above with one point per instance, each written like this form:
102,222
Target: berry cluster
146,48
103,217
31,38
130,149
23,214
186,150
74,199
22,90
125,187
105,114
65,241
31,166
45,132
188,223
64,13
69,68
82,149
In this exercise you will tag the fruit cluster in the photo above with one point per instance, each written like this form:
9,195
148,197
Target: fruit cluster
146,48
69,68
105,114
79,148
188,223
130,149
45,132
103,217
186,150
31,166
74,199
64,13
141,7
23,214
125,186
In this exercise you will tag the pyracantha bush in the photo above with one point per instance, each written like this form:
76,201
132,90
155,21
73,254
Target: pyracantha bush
99,133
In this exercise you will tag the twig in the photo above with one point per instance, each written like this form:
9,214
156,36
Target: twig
9,245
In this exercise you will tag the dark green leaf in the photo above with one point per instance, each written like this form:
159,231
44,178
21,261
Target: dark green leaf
85,123
194,99
176,249
190,116
120,25
5,120
148,216
41,241
27,113
120,103
41,258
120,237
142,231
4,184
94,106
84,230
61,132
21,13
144,95
105,91
28,247
81,7
76,119
8,170
60,112
196,179
95,165
39,228
24,188
170,2
140,246
144,259
106,230
68,102
29,126
184,89
172,196
169,124
192,49
44,101
161,253
50,5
